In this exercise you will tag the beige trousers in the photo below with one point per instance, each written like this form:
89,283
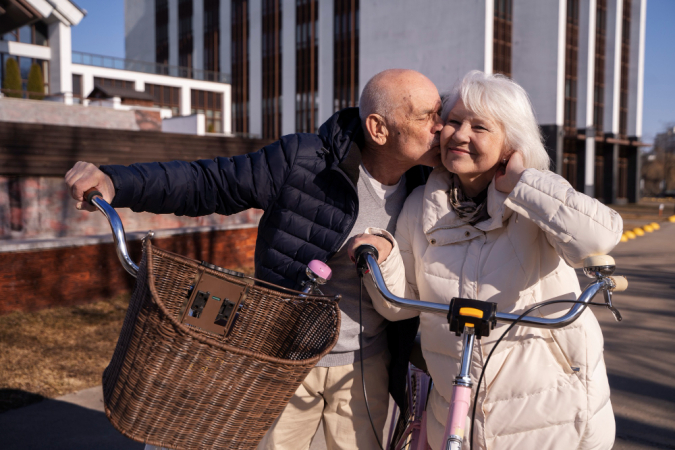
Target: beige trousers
335,394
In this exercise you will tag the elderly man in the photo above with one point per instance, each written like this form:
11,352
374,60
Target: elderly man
317,192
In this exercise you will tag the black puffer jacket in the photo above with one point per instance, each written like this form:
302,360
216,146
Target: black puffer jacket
305,183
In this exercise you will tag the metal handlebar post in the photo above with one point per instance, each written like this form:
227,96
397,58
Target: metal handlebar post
94,197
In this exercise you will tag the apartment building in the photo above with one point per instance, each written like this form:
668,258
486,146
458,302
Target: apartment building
295,62
39,32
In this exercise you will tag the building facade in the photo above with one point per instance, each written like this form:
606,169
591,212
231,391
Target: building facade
295,62
41,34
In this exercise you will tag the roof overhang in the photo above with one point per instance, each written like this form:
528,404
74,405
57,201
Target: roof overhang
17,13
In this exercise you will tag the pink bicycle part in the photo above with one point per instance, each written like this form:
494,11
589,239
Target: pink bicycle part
320,268
459,408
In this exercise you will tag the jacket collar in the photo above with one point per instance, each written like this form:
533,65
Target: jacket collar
441,223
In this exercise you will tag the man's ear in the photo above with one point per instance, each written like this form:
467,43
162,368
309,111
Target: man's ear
376,128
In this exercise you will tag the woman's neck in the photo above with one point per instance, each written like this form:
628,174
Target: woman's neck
472,186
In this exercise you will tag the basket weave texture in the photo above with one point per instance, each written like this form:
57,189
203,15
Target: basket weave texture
179,387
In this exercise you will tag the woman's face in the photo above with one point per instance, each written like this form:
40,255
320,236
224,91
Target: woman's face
472,147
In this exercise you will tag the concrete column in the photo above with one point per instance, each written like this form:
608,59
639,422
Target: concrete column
634,163
537,61
489,35
226,36
613,66
173,32
60,73
198,34
255,66
185,101
637,66
326,39
586,64
87,84
288,65
227,109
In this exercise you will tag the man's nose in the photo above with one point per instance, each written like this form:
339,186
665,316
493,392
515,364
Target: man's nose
438,126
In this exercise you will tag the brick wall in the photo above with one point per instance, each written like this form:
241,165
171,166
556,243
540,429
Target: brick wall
34,280
41,208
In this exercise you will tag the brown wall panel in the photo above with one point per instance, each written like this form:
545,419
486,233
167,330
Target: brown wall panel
51,150
34,280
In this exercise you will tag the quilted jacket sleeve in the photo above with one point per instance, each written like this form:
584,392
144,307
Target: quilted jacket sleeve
576,225
222,185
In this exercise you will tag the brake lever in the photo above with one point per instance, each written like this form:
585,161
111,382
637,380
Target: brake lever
610,306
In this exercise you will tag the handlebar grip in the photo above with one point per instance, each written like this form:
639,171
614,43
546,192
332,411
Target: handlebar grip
620,283
359,255
90,194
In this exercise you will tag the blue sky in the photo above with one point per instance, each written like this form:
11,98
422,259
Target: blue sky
102,32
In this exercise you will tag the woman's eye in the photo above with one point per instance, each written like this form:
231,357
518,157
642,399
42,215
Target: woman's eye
480,127
453,122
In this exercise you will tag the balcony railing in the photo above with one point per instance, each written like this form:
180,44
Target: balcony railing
112,62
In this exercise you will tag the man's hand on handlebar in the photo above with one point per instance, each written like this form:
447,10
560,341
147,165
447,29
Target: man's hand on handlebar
382,245
84,176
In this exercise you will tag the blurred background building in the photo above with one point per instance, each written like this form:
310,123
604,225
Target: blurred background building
581,61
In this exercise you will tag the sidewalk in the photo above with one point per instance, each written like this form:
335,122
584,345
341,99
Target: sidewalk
76,422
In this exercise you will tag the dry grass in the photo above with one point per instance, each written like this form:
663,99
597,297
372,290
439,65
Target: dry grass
57,351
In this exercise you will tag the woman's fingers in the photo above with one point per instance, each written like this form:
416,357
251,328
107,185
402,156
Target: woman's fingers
382,245
507,177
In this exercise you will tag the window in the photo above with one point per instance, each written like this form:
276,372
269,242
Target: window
114,83
24,69
212,35
240,66
165,97
185,37
501,46
77,89
625,70
36,34
162,34
346,54
211,105
306,66
271,68
571,67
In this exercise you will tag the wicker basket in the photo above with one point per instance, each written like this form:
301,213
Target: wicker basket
176,386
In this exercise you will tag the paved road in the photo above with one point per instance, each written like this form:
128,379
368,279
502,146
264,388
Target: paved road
640,351
640,356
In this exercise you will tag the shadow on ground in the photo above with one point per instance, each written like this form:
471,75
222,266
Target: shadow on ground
58,425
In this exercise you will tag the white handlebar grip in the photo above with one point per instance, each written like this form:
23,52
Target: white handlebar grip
320,268
621,283
599,260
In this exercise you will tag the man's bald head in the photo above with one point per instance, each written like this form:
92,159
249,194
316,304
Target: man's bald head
389,90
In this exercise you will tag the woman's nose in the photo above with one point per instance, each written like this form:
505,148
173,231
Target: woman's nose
461,134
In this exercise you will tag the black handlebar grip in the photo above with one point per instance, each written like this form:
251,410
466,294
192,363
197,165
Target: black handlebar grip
90,194
359,255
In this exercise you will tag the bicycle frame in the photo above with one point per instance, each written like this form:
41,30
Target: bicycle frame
601,268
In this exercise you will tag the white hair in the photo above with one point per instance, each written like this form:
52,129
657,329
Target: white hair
502,99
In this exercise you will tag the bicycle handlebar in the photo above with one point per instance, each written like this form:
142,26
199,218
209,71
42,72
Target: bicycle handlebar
95,198
366,256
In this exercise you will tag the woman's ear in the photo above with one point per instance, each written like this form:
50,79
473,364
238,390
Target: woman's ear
376,128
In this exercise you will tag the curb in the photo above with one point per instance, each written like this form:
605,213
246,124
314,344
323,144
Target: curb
641,231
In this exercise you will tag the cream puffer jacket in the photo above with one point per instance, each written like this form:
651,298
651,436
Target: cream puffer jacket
543,389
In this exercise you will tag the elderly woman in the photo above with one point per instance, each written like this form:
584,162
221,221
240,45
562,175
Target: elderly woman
492,223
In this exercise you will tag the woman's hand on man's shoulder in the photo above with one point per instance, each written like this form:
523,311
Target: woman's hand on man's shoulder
508,175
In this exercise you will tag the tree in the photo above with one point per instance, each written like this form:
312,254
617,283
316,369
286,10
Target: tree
12,80
36,84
